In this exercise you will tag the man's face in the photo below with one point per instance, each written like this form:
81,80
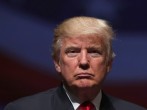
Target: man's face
82,61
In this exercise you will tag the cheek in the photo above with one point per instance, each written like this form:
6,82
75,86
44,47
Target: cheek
68,69
99,68
68,66
98,63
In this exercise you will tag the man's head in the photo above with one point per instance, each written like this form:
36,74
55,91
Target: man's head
82,51
83,26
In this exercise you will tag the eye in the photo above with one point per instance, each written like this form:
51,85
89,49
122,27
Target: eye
94,52
72,52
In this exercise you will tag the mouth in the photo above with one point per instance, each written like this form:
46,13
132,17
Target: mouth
84,76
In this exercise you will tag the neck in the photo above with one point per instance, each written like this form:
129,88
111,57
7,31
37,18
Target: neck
83,94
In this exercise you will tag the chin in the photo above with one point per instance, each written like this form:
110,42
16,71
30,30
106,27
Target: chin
84,83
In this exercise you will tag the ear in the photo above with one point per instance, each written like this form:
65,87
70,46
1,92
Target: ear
109,66
57,66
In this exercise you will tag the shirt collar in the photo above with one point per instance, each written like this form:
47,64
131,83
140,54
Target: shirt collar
75,102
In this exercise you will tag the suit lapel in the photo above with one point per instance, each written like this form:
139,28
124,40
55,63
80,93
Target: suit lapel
61,101
106,104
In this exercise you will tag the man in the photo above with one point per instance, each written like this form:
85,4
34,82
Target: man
83,56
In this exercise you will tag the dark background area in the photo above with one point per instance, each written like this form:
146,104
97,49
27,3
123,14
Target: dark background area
26,31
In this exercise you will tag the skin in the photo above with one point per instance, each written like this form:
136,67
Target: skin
82,65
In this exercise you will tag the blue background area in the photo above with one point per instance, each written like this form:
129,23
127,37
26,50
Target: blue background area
28,36
26,31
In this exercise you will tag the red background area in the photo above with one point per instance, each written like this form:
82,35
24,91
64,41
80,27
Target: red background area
18,80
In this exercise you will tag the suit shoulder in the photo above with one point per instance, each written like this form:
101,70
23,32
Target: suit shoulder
35,101
41,95
124,105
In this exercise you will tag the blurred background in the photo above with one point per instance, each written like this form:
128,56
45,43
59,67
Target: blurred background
26,32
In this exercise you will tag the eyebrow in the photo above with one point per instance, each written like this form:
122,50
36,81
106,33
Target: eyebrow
95,46
71,47
90,47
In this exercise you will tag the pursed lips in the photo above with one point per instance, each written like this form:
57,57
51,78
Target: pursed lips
84,76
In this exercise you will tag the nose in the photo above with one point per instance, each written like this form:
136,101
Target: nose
84,60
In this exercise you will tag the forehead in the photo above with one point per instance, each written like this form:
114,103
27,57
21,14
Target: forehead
83,40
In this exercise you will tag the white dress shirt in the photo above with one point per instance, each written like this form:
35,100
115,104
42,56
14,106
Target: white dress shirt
76,102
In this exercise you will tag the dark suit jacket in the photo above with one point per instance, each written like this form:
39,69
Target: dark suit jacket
56,99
